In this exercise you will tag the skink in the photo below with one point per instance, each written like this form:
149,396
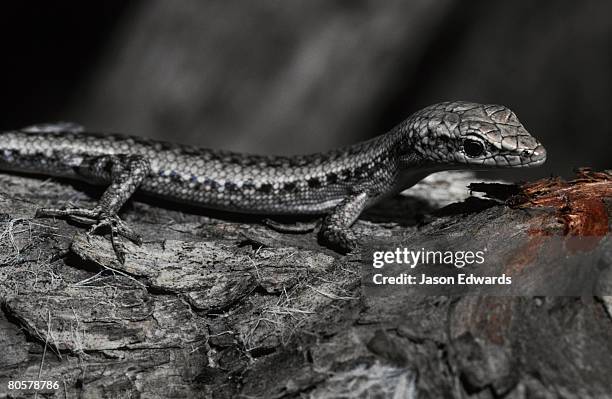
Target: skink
339,184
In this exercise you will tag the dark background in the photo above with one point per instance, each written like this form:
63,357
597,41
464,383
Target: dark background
301,76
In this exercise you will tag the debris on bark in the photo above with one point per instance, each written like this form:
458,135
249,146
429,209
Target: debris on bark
215,306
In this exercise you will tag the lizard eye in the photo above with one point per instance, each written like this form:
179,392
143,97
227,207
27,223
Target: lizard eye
473,148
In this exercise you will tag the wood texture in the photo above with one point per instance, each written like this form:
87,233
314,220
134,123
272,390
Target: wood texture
215,306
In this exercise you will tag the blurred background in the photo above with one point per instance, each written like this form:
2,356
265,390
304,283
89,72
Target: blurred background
286,77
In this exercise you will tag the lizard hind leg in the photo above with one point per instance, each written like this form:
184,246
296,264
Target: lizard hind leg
125,173
336,229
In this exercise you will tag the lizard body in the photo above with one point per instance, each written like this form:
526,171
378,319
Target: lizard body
339,184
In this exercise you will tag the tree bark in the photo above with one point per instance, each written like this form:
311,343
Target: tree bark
220,306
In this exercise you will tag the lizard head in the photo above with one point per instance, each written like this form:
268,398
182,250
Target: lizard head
464,134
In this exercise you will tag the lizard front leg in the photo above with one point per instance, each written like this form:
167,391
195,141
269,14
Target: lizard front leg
125,173
336,231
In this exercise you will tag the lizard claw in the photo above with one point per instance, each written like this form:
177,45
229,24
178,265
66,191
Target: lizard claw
117,227
98,220
86,216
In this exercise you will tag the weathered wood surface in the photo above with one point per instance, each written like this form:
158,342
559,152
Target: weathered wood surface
224,307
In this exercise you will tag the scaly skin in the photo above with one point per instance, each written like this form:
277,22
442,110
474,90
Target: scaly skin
339,183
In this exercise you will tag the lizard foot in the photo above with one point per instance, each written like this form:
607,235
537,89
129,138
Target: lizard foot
97,219
339,238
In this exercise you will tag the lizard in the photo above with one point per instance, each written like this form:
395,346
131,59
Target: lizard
338,184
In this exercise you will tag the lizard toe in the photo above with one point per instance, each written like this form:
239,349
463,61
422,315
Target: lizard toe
339,239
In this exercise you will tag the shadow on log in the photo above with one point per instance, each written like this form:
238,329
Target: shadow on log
218,308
